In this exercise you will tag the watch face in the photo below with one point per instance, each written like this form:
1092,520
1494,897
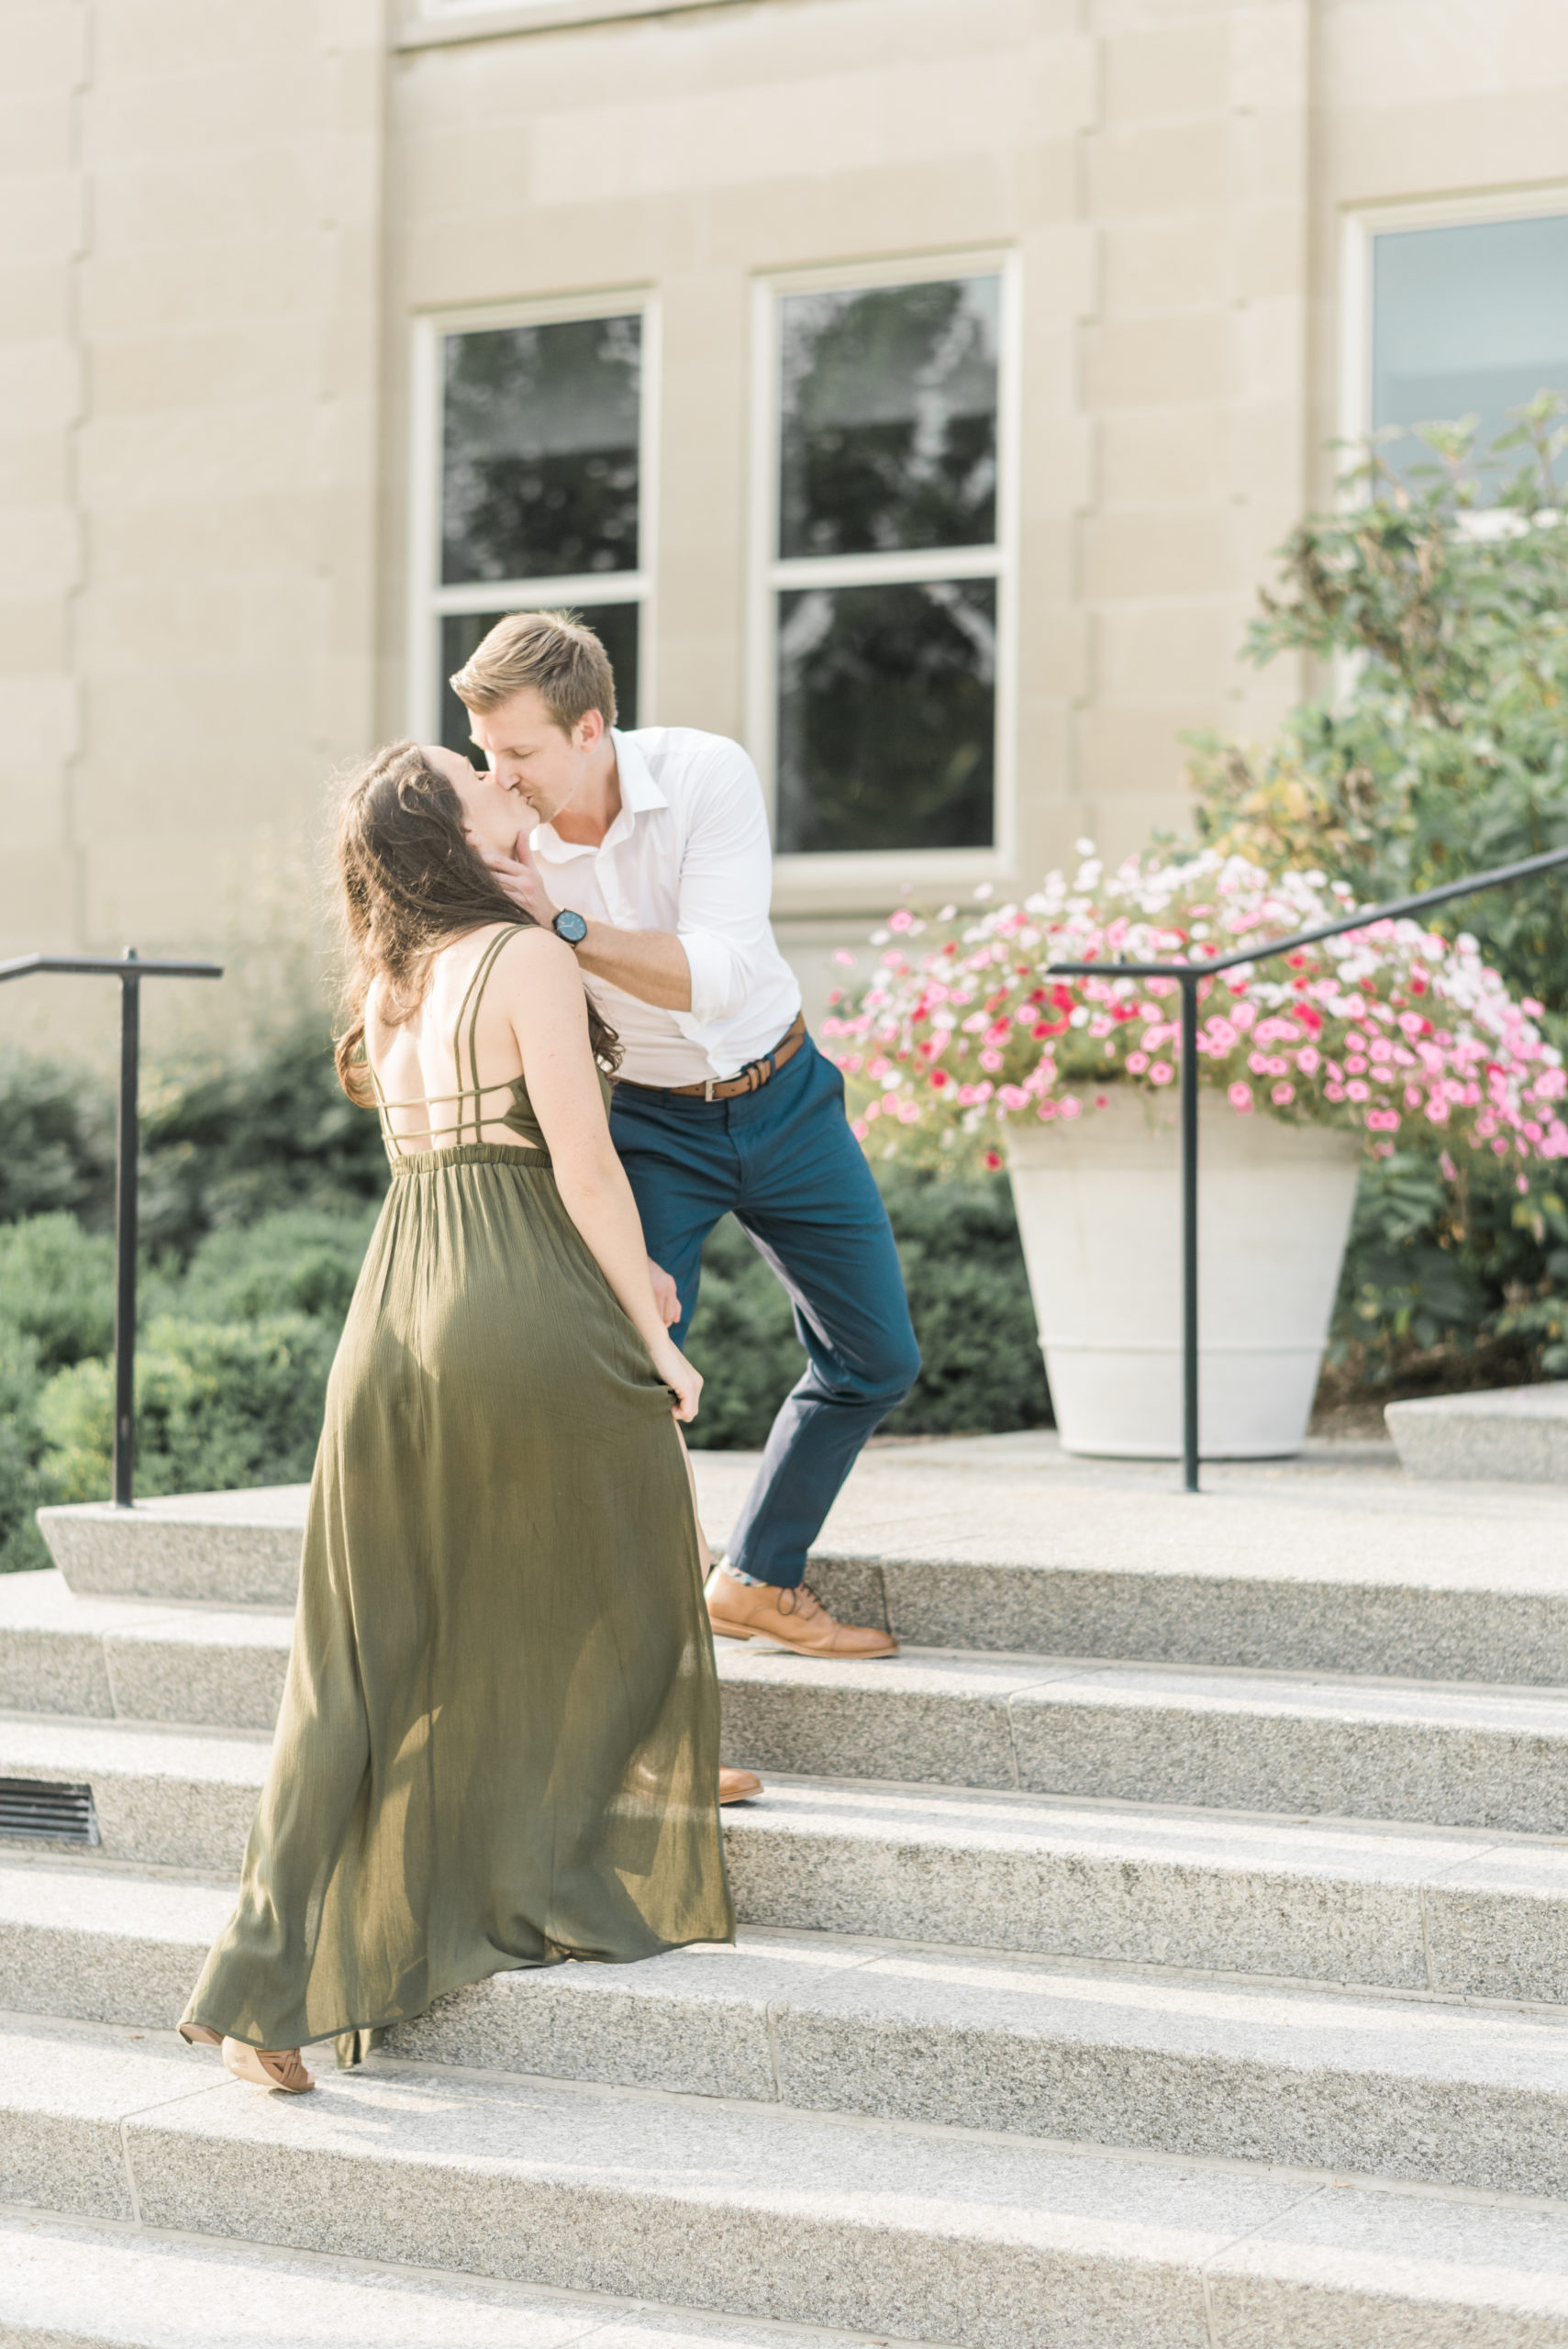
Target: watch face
569,926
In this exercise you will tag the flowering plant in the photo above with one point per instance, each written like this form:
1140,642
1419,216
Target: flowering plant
963,1028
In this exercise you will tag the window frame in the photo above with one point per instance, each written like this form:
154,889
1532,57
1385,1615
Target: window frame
857,878
429,601
1362,225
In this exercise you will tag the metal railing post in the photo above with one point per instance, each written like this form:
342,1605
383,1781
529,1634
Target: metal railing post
1189,975
1189,1234
127,1145
130,970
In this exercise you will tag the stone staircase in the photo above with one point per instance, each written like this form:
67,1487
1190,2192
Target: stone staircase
1168,1951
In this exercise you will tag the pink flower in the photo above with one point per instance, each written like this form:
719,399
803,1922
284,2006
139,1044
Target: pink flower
1308,1060
902,919
1162,1073
1137,1062
1283,1093
843,958
1383,1121
1356,1090
1013,1096
1239,1096
1070,1106
860,1129
990,1059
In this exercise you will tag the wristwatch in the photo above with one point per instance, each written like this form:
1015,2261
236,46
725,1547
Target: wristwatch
569,926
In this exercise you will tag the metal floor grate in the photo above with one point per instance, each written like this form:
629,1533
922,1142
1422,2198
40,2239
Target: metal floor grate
44,1810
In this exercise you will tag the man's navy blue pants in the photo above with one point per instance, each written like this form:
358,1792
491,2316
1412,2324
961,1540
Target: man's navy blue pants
783,1162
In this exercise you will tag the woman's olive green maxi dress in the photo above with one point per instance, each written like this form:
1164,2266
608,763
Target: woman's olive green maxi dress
498,1745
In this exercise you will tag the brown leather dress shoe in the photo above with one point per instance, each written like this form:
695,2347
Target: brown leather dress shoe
795,1619
738,1786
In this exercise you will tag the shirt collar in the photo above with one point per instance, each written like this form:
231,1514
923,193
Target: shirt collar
638,792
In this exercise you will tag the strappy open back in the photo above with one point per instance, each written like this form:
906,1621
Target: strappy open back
518,1115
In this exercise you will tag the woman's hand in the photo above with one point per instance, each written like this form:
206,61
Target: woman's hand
677,1373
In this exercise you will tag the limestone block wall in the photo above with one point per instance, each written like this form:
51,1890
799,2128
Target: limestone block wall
221,225
43,226
1147,163
193,450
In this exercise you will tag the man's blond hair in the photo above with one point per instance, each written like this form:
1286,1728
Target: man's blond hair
558,657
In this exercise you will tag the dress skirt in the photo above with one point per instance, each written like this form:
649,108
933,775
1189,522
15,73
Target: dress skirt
498,1745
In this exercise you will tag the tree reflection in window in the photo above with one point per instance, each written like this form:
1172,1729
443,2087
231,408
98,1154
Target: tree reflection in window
540,450
888,419
886,716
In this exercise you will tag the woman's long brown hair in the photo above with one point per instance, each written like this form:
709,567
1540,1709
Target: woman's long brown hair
412,881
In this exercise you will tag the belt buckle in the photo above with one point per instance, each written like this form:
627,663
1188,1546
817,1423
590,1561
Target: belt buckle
707,1088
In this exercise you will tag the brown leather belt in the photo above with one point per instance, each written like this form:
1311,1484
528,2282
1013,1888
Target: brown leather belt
746,1080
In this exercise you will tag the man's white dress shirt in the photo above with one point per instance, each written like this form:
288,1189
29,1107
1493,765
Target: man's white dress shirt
688,852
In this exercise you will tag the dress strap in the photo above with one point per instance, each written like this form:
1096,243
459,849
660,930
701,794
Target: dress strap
384,1112
469,1009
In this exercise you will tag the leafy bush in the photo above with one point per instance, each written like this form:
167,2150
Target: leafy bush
269,1132
1444,750
59,1123
969,1298
23,1488
57,1287
299,1260
218,1405
222,1144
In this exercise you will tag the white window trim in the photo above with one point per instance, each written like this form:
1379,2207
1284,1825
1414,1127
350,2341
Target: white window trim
429,600
1358,228
869,878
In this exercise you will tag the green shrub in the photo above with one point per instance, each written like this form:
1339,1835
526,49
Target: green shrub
23,1486
221,1144
969,1299
299,1260
969,1296
270,1132
58,1120
57,1287
219,1405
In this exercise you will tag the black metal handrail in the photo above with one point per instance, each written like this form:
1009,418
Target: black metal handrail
1189,974
130,970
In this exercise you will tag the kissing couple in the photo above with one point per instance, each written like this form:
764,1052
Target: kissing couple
499,1740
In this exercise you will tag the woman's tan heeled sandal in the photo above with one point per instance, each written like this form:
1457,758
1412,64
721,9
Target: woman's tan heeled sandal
196,2034
279,2068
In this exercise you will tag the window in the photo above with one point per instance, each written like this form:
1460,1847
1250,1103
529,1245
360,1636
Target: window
885,568
1466,318
538,496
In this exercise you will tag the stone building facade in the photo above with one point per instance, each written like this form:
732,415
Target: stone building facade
915,388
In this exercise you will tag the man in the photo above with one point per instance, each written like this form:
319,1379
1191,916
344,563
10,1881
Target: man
649,854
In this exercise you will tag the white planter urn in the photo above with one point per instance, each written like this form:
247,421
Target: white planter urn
1098,1201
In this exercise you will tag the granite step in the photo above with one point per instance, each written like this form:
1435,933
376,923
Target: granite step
966,2238
73,2284
1451,1755
1512,1434
1450,1911
1180,2064
1457,1583
1444,1755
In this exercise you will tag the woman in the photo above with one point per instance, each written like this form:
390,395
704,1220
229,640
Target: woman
498,1744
